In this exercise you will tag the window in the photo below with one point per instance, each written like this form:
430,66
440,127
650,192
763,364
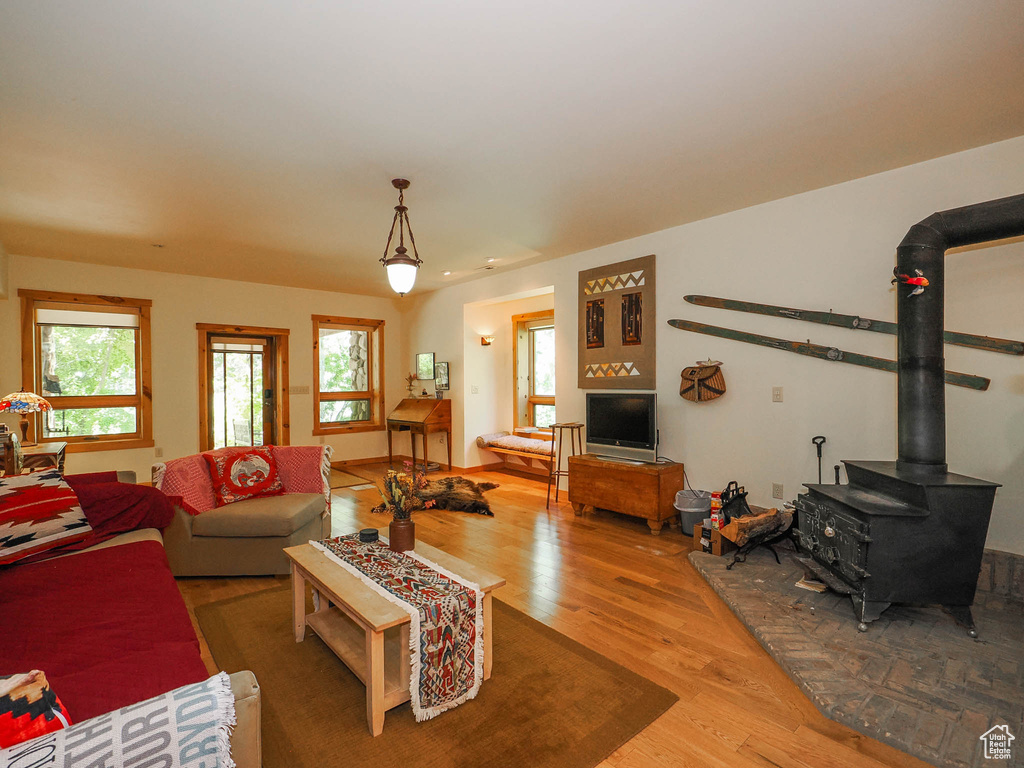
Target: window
90,357
349,369
534,356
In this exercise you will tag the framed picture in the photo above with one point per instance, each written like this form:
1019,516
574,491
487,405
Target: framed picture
441,376
425,366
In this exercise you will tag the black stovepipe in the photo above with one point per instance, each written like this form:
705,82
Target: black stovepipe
922,397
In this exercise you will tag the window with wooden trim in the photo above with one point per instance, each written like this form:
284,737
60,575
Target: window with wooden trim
89,356
534,360
348,374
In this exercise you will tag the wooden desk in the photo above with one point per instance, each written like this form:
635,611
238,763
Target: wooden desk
368,632
421,417
635,489
43,455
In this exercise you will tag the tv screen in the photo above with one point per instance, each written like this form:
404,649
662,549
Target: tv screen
622,420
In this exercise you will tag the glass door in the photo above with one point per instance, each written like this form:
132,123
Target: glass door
241,391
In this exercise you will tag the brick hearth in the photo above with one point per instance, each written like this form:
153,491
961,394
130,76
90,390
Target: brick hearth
914,680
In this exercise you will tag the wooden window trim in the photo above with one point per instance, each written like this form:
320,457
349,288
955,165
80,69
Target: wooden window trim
142,400
375,394
531,399
282,403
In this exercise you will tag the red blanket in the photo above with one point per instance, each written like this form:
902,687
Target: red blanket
108,627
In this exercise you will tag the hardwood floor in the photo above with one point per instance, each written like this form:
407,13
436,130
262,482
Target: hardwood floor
605,581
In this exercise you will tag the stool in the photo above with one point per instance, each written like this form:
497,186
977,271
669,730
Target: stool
555,471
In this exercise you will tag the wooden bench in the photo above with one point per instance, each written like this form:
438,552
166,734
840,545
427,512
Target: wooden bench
523,460
525,457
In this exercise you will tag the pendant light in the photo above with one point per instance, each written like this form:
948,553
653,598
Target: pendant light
401,267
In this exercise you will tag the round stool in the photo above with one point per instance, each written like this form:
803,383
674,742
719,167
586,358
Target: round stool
557,438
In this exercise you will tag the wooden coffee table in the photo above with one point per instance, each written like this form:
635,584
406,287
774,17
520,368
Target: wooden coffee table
367,631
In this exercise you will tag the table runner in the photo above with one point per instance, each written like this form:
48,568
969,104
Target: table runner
446,640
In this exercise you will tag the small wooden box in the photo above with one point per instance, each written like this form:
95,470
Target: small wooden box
719,544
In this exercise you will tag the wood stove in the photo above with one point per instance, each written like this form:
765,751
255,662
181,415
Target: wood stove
910,531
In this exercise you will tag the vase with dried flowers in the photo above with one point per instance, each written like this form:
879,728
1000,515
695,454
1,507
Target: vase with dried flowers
398,489
410,381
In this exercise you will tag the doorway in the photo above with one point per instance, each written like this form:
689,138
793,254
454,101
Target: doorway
243,386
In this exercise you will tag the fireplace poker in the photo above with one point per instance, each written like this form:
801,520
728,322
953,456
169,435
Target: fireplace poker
818,440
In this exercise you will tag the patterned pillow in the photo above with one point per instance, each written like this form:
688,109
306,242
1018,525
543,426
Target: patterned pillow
243,474
38,511
28,708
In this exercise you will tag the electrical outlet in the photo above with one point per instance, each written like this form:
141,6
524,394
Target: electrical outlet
776,490
777,398
158,453
322,440
474,389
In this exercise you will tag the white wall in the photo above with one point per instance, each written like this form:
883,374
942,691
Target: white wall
179,302
831,248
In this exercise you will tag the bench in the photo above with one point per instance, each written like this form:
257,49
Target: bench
517,452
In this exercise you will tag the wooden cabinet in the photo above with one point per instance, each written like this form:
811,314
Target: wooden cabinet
632,488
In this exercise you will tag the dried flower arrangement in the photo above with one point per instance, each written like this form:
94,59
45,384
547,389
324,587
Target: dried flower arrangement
398,489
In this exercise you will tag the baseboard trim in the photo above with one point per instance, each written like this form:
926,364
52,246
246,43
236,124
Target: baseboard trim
356,462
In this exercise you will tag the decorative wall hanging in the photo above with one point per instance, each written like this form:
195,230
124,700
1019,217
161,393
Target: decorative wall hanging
616,326
822,352
702,382
856,322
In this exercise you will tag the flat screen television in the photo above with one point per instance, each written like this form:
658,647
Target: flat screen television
623,425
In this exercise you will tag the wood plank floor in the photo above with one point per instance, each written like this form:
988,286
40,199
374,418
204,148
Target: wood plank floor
605,581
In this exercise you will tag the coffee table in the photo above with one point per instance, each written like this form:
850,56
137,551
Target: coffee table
368,632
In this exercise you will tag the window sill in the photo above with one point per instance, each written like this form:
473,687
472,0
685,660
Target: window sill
321,430
103,445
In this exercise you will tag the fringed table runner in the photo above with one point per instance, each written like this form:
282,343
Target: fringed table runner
446,639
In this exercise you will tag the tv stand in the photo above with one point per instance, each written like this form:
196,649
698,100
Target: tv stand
637,489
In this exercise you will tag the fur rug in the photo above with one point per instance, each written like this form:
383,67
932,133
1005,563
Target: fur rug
458,495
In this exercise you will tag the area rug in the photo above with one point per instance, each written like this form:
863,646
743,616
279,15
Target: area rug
342,479
550,702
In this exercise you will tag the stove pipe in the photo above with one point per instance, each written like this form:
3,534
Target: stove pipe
922,395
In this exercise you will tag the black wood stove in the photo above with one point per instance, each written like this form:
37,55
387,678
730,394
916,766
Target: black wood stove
909,531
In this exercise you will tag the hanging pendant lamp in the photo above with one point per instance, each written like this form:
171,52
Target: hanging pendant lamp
401,267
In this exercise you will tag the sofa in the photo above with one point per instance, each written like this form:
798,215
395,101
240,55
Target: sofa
245,538
109,628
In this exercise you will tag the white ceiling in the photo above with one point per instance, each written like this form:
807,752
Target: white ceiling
256,139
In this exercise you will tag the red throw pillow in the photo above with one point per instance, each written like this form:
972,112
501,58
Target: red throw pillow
38,511
244,474
28,708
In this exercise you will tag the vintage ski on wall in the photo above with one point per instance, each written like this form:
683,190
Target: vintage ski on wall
988,343
822,352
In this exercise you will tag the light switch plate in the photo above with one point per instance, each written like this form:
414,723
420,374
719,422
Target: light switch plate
302,390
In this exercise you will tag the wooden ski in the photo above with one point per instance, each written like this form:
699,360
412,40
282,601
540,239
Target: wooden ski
822,352
988,343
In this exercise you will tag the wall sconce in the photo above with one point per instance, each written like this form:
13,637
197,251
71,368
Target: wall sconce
486,341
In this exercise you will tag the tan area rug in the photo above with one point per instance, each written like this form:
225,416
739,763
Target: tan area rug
550,701
342,479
